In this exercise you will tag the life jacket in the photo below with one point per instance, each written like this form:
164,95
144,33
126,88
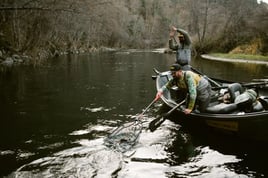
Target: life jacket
183,83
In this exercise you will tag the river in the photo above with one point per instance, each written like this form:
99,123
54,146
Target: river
56,119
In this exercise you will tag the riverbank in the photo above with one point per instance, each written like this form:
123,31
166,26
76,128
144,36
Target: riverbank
7,59
11,58
248,59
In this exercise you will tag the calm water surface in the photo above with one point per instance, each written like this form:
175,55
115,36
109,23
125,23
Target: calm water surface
55,120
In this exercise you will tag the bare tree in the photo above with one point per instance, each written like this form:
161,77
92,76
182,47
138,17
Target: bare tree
28,26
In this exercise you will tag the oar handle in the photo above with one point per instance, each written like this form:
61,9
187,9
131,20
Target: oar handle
255,84
174,108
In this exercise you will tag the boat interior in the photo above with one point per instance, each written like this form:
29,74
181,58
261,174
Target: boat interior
231,99
237,99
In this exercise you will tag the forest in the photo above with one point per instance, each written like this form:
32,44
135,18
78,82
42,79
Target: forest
44,28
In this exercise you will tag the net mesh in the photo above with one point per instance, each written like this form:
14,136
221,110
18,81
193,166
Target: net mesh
124,137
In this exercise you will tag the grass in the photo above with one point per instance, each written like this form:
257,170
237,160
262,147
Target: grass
241,56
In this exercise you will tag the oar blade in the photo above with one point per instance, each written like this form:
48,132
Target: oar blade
159,120
156,123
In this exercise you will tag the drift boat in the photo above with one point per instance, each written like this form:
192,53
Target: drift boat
241,115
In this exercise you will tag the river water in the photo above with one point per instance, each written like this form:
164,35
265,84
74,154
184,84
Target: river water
56,119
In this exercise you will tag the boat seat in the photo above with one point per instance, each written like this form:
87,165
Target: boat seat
257,106
264,102
247,100
222,108
235,89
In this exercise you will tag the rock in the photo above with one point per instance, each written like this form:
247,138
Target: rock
56,53
26,59
8,62
16,58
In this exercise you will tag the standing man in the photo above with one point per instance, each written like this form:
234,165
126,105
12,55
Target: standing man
196,86
183,48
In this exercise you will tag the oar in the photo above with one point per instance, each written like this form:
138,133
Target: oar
209,79
154,124
219,86
247,85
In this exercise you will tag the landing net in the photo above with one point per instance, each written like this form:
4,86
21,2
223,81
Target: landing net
124,137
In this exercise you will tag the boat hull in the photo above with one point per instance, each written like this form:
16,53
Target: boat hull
248,126
252,125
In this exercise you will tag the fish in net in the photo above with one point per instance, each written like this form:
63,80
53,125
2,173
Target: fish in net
124,137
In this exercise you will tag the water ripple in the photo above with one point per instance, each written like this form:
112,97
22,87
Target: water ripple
151,156
207,163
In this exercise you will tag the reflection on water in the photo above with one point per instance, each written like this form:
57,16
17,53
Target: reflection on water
241,72
206,163
55,121
149,157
